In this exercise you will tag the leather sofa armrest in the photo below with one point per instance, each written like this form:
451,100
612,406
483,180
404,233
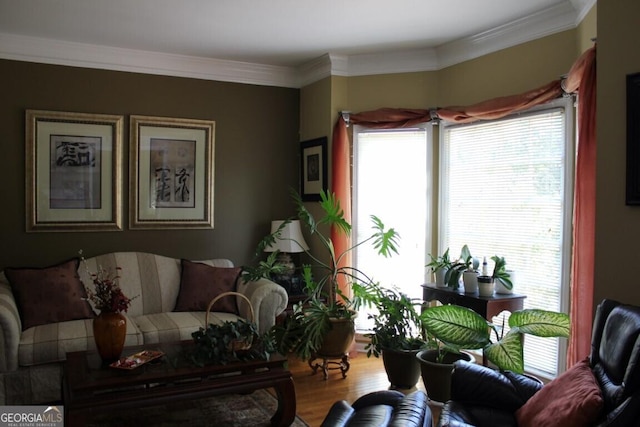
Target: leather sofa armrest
339,415
625,414
473,384
10,327
268,299
382,397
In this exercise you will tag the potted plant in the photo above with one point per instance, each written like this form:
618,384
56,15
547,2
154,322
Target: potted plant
436,365
499,277
466,267
462,328
397,334
457,328
323,323
502,277
439,266
229,342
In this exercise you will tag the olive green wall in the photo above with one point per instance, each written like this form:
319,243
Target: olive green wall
587,31
508,71
256,158
403,90
617,225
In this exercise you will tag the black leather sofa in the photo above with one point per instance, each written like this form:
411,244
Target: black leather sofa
382,408
483,397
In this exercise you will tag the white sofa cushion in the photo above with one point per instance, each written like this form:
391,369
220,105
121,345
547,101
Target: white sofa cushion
50,343
176,326
153,281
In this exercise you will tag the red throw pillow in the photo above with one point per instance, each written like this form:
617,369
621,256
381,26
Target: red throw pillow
200,283
49,295
573,399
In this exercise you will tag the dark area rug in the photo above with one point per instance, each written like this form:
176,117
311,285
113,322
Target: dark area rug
238,410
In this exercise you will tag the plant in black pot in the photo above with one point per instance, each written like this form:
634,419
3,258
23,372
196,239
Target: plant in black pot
397,334
458,328
323,323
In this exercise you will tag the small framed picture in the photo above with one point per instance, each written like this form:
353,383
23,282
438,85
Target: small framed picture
313,169
171,173
73,171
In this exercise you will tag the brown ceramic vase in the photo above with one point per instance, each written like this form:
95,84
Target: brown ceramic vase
109,331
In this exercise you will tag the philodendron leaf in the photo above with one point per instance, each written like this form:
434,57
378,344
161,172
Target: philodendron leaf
507,354
333,213
457,326
541,323
386,241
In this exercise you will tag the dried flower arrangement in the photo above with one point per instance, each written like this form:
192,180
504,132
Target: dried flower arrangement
106,294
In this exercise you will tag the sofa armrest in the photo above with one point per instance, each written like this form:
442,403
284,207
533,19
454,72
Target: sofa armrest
268,299
339,415
10,327
473,384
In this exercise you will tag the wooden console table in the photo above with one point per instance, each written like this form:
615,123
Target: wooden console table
487,307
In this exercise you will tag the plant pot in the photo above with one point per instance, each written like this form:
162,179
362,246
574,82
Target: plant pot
485,286
501,289
339,338
437,375
109,332
439,276
470,280
402,367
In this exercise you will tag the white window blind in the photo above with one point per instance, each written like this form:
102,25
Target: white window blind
506,190
392,171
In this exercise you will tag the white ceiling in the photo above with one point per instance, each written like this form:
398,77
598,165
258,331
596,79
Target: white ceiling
276,42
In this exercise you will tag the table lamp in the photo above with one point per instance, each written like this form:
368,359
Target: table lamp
289,241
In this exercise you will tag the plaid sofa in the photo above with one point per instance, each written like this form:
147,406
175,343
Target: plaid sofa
30,360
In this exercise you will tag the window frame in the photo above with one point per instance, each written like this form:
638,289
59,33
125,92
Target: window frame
567,106
430,186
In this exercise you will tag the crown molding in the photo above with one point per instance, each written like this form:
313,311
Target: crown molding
393,62
564,16
550,21
583,7
48,51
535,26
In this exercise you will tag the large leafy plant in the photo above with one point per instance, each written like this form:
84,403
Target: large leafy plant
460,328
397,324
303,331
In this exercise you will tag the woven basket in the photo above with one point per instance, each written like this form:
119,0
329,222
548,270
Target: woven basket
239,344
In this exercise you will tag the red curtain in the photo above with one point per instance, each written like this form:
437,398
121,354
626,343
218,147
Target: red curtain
581,79
341,186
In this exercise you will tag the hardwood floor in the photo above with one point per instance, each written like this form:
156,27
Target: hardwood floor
314,395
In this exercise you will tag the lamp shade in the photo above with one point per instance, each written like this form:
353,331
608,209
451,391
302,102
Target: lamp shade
290,239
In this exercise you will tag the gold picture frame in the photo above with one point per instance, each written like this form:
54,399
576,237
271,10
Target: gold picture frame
73,171
171,173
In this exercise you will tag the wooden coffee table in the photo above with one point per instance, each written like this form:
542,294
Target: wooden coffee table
89,387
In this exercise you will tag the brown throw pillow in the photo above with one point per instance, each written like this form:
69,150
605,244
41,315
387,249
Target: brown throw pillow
572,399
49,295
200,283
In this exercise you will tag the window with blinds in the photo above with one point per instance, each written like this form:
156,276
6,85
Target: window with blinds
506,189
392,180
